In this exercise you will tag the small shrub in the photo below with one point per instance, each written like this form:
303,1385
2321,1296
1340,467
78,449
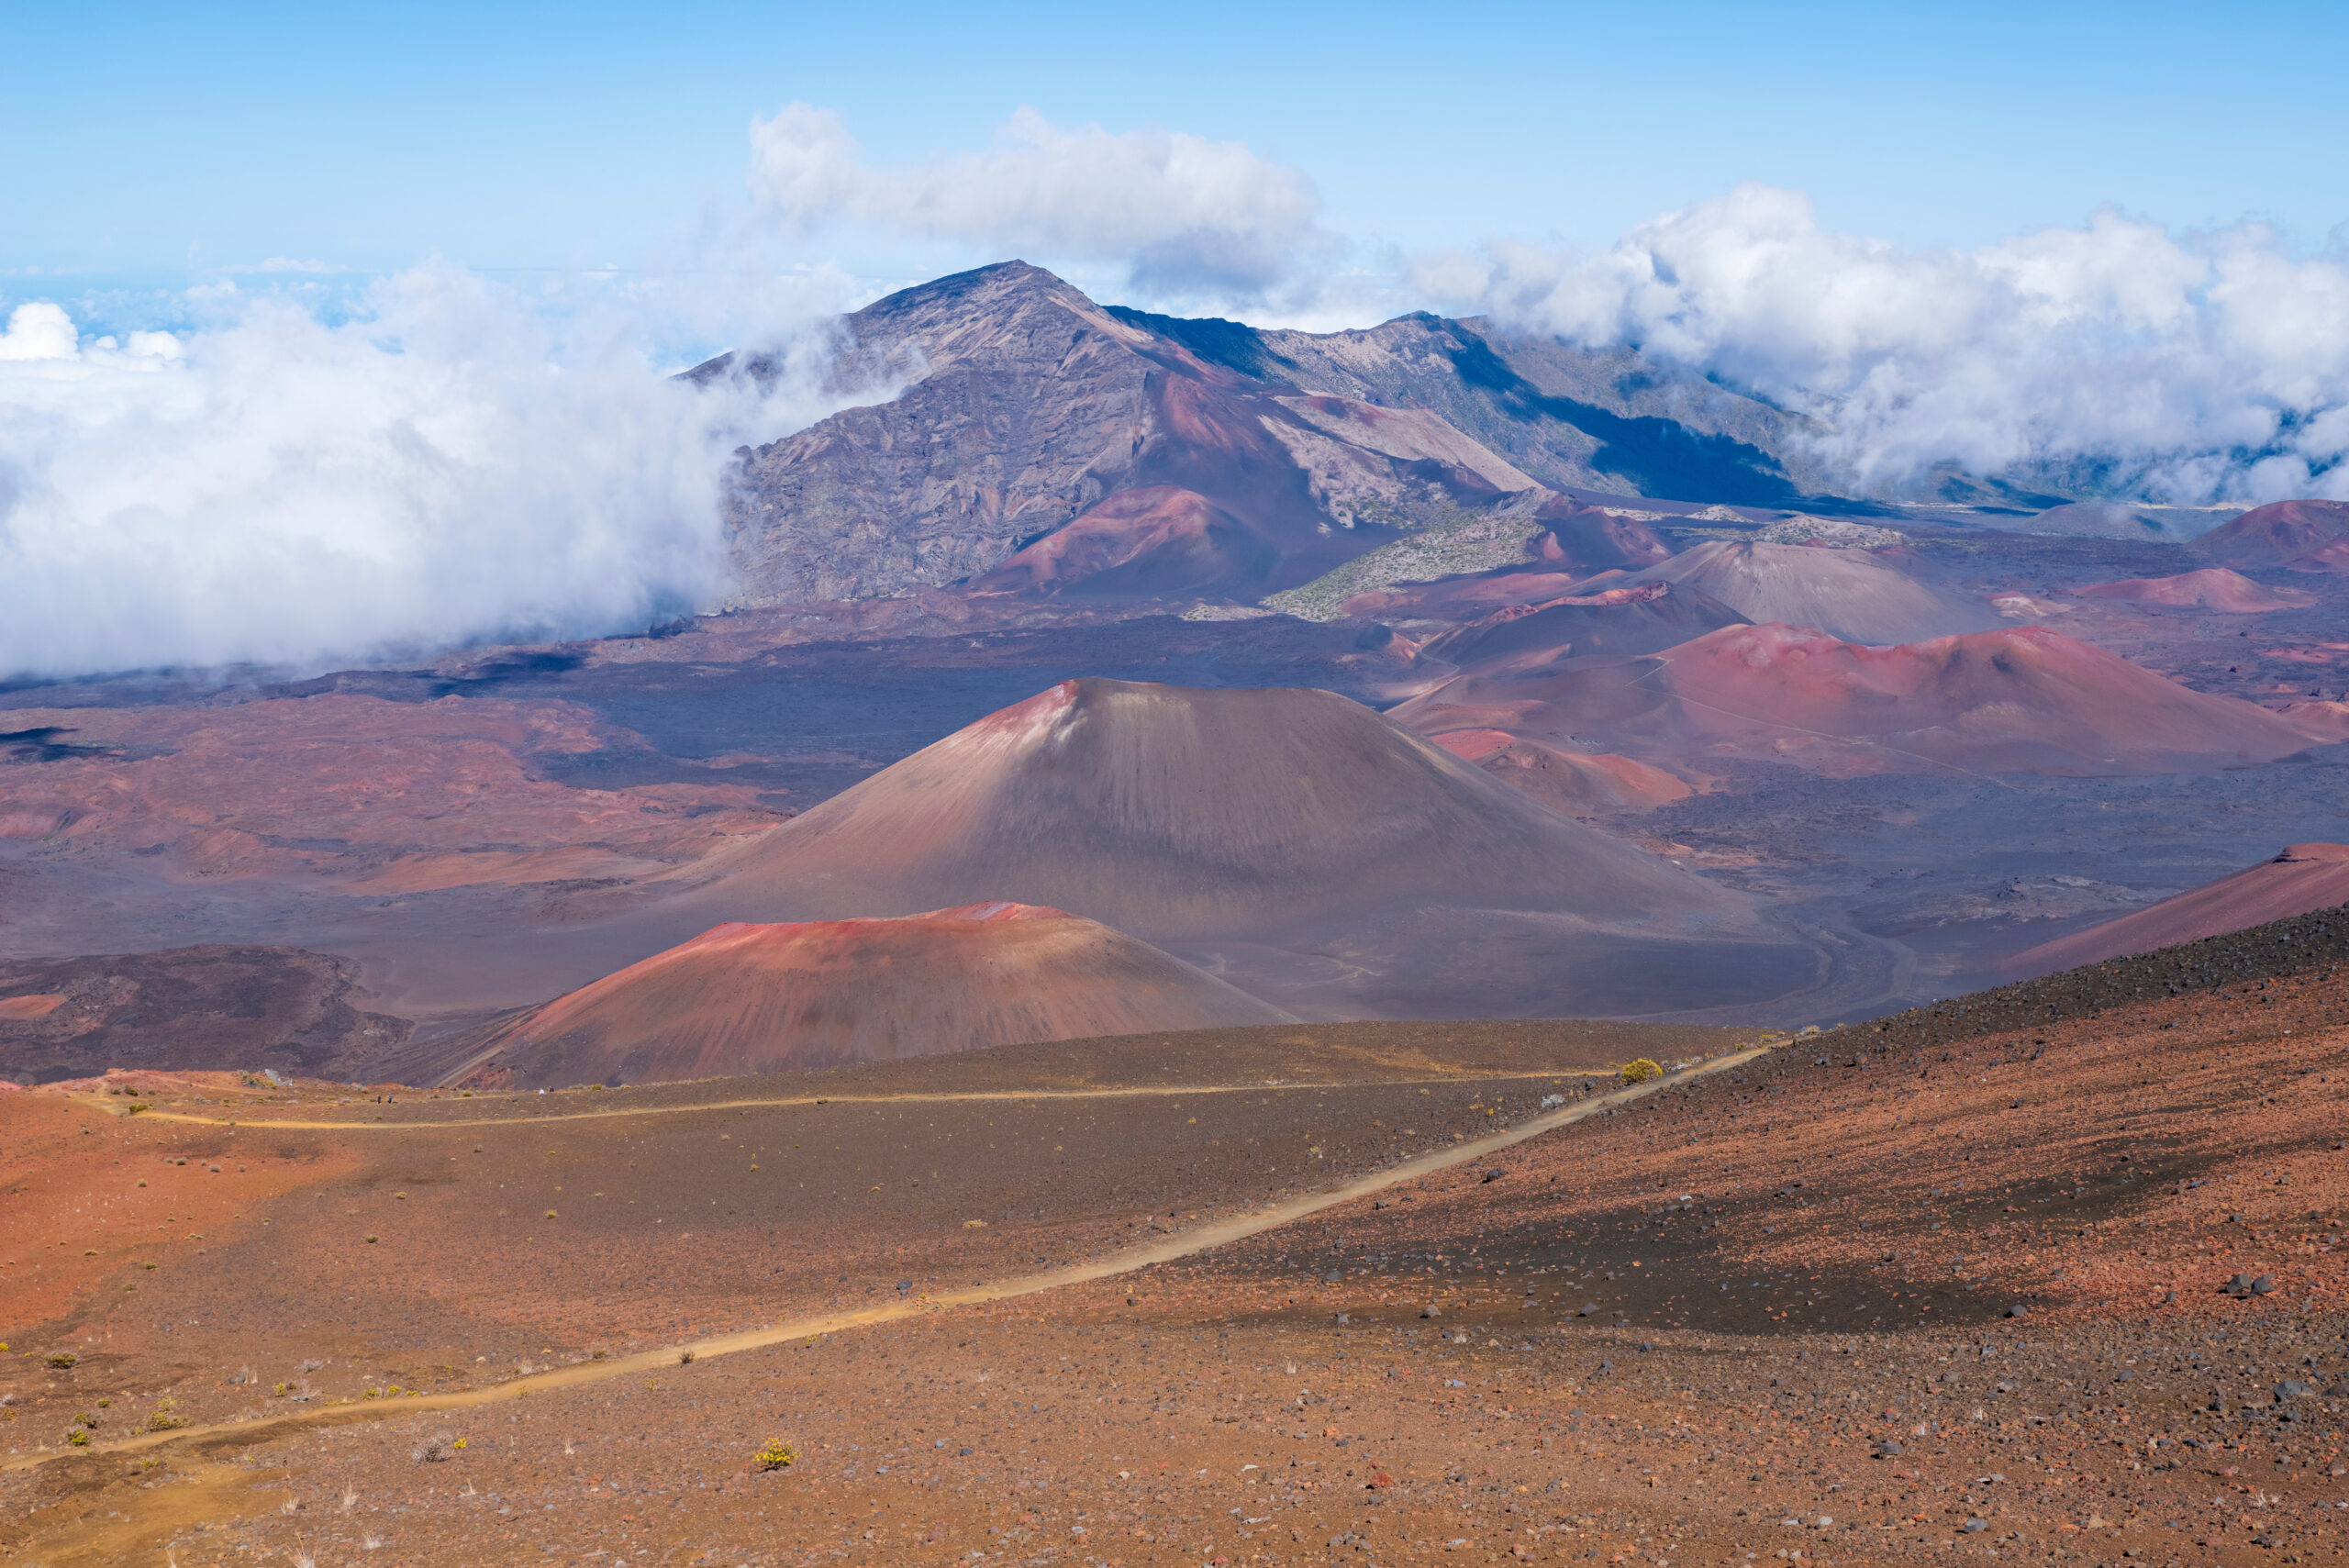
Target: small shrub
78,1438
437,1449
64,1360
165,1418
776,1455
684,1358
1640,1071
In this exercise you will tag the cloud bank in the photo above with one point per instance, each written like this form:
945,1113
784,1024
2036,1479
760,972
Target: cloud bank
1186,215
456,463
2203,368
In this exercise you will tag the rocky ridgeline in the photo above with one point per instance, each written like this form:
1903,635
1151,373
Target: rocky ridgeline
2214,965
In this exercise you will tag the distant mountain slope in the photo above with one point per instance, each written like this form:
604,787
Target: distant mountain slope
1025,405
751,998
2276,534
2305,877
1010,404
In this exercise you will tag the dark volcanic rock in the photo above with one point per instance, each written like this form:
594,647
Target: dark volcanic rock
188,1008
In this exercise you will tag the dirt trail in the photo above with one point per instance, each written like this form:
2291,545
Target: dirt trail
1214,1234
1174,1090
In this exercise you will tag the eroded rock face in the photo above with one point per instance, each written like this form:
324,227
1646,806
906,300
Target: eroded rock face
1007,405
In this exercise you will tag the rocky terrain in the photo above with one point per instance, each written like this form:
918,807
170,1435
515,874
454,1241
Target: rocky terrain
2053,1272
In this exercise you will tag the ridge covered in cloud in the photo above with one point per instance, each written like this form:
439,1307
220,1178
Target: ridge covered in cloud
455,463
2194,368
1186,215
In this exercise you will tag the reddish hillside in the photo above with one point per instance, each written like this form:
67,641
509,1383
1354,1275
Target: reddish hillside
1594,539
2305,877
2024,700
1844,592
2212,588
1571,782
2276,534
1647,619
1174,812
745,999
1159,539
2334,557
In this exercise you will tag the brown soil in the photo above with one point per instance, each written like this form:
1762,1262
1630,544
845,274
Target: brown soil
1798,1275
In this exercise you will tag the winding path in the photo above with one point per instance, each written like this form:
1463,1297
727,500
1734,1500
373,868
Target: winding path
1215,1233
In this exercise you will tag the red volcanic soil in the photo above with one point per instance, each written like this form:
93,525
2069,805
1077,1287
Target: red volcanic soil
745,999
1844,592
2024,700
2334,557
1571,782
2305,877
2212,588
1172,812
2055,1271
2276,534
1159,539
393,796
1645,619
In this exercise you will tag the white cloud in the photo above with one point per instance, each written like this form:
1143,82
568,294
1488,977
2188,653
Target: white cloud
1187,215
39,331
2208,366
458,462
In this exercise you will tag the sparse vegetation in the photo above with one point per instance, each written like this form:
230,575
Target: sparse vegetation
1641,1071
165,1416
64,1360
776,1455
438,1448
684,1358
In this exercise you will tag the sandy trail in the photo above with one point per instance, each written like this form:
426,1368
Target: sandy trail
1203,1239
1170,1091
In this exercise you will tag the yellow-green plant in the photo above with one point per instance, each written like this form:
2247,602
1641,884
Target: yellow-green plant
1640,1071
776,1454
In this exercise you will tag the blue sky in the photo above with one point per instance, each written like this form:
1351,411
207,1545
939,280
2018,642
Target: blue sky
158,141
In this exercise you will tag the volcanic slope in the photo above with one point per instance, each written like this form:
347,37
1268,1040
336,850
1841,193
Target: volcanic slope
2303,878
2024,700
747,998
2053,1272
1844,592
2212,588
1645,619
1025,406
2276,534
1289,822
